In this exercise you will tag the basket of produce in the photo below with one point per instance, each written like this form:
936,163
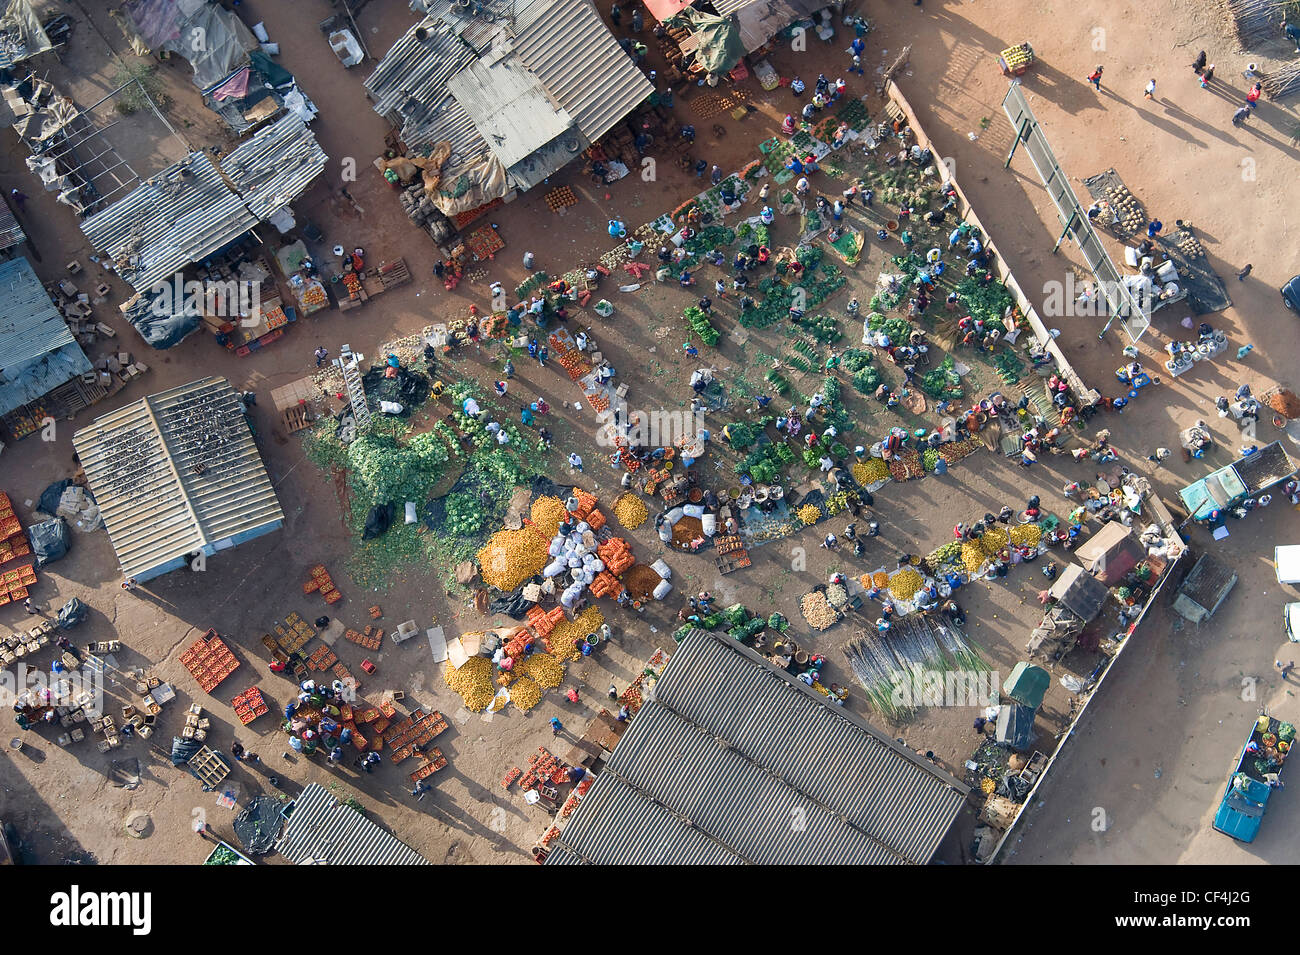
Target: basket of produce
1016,60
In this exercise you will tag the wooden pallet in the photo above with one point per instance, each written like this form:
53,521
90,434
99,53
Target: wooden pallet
208,765
295,419
393,274
732,562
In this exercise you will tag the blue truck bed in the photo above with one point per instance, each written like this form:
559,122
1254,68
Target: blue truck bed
1243,806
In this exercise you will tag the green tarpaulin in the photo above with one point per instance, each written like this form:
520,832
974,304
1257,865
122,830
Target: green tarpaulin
719,45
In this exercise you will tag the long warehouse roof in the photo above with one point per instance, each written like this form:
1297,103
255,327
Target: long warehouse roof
733,761
174,472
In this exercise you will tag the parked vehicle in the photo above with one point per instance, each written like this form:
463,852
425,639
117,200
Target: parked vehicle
1253,780
1291,294
1243,478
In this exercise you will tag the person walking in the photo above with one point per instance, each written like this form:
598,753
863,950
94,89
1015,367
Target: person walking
19,200
1292,32
1095,79
715,176
1286,668
1151,89
556,726
321,354
1241,276
701,168
1207,75
543,353
1255,92
575,461
615,15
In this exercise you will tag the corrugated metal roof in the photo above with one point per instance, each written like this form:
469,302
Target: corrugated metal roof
730,753
275,166
42,376
177,217
509,107
176,472
567,47
581,65
30,325
410,84
37,350
11,233
323,829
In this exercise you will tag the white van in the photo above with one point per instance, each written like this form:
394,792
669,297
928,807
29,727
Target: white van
1286,562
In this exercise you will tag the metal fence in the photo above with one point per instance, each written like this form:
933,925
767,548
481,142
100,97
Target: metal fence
1123,306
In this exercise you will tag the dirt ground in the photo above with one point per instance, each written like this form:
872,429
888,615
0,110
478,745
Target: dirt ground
952,83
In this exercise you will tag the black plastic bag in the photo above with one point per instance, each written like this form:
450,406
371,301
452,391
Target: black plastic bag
50,540
50,497
72,613
377,521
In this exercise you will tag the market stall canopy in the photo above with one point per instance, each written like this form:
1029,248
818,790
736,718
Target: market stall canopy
1027,684
21,34
1015,726
1110,553
663,10
177,217
172,25
718,45
275,166
760,20
1079,593
510,106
